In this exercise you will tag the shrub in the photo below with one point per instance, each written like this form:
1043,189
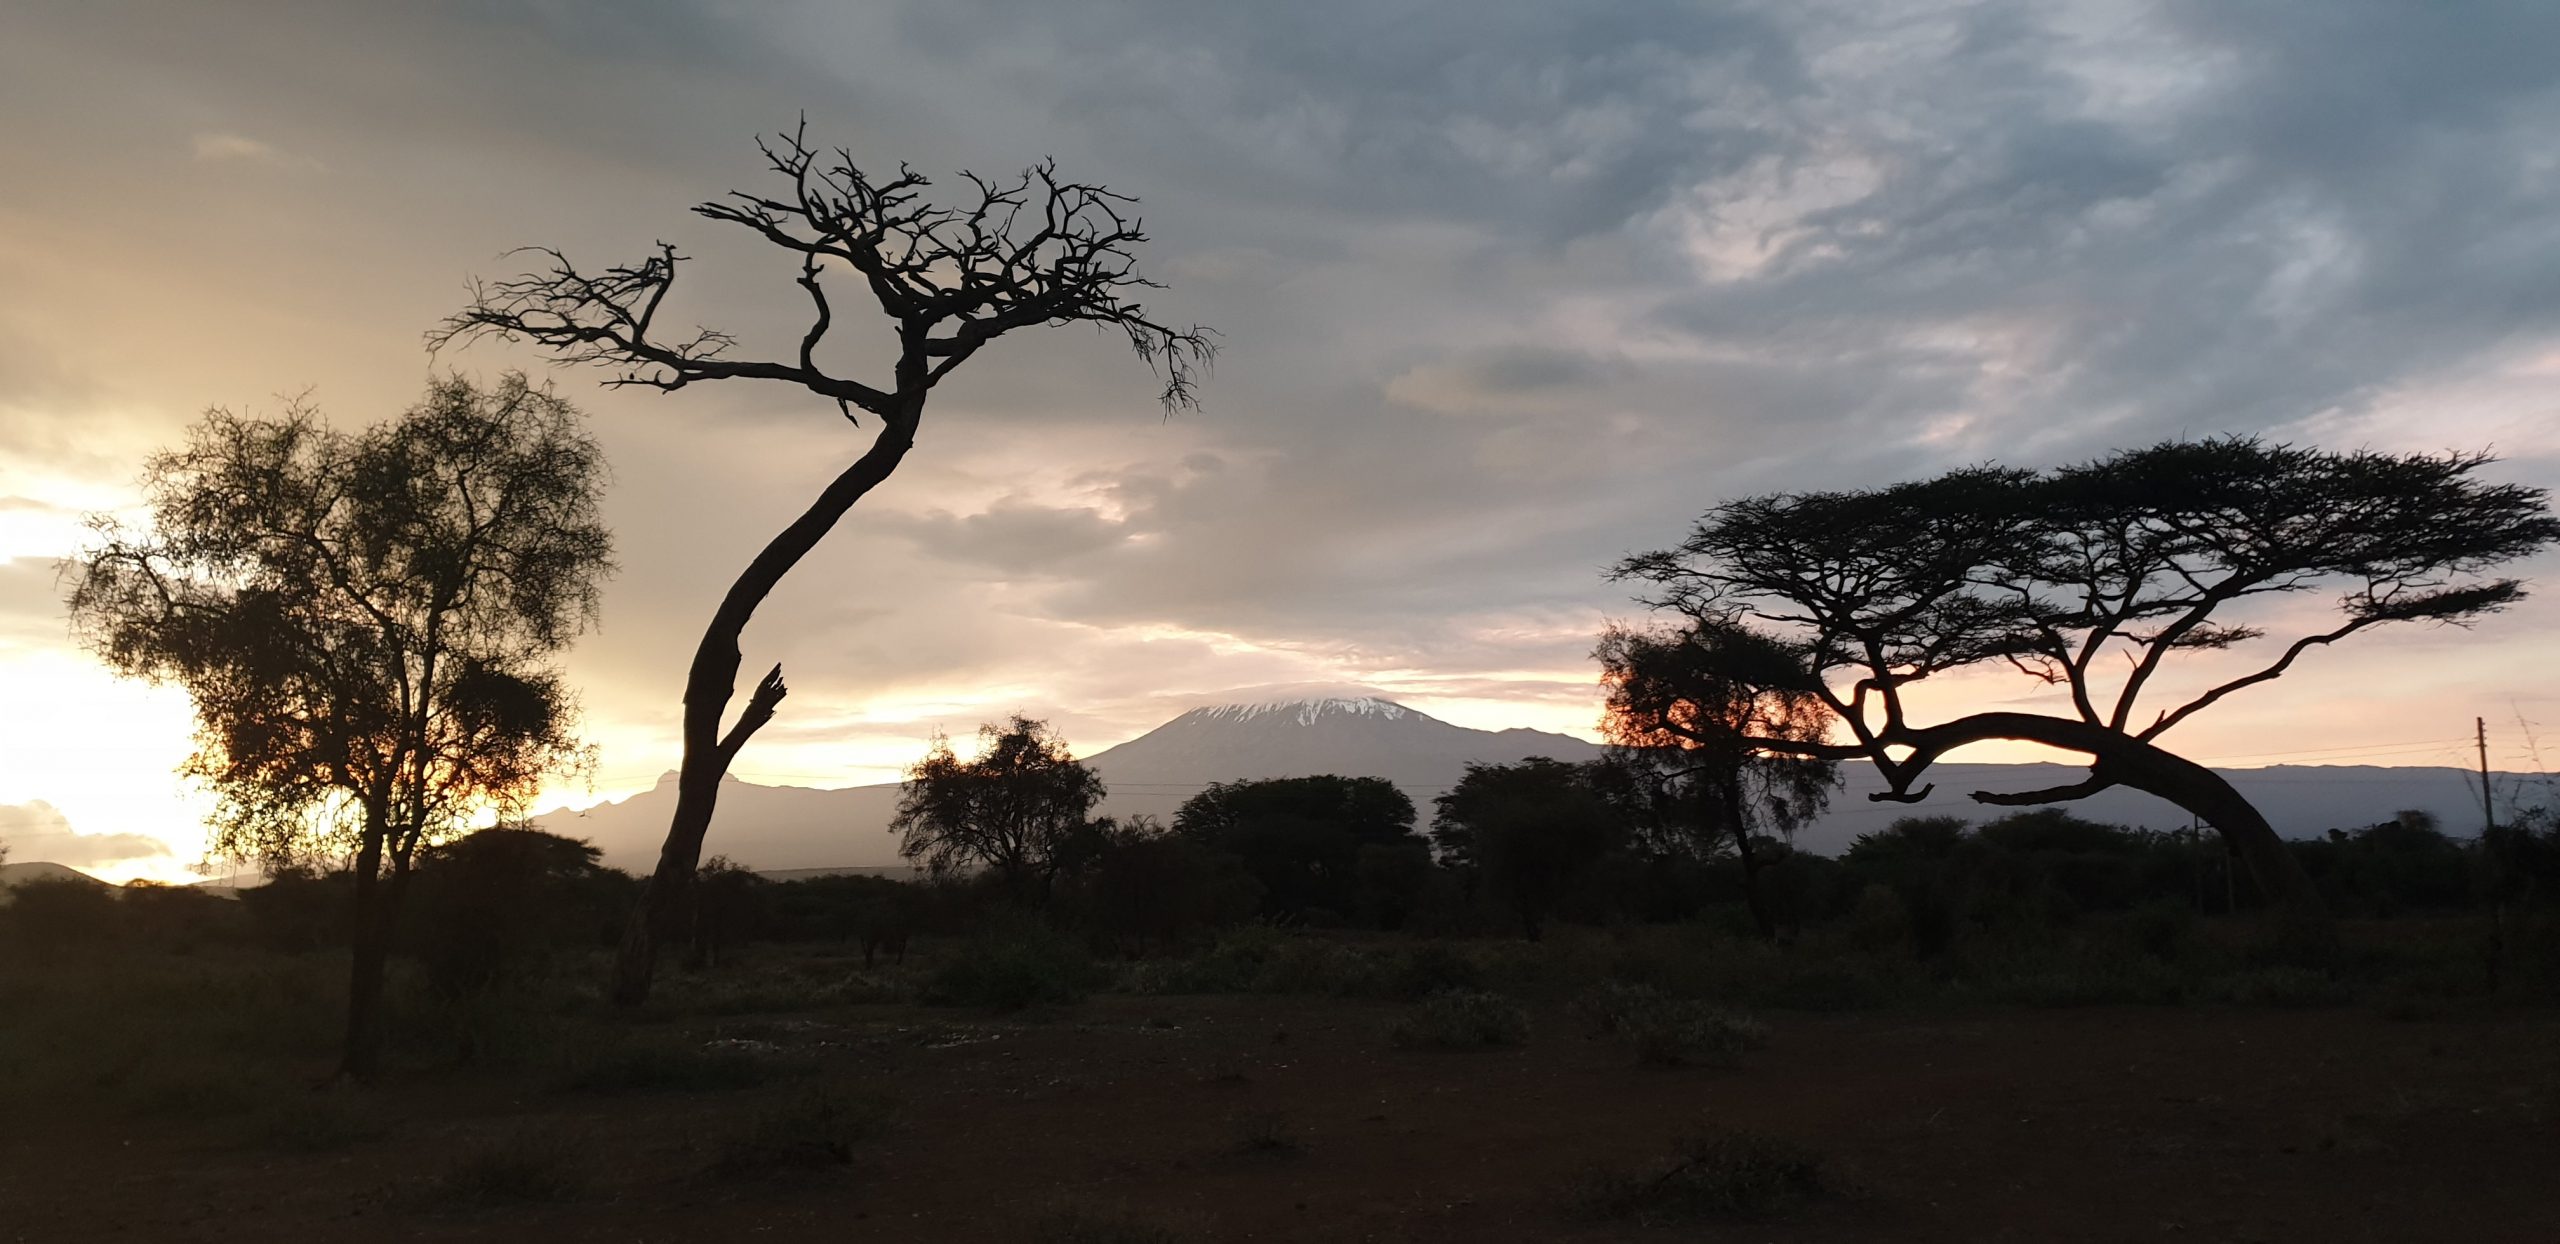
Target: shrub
810,1134
2279,987
1100,1226
1716,1173
1269,1135
1668,1032
1434,967
2165,931
663,1067
518,1169
1462,1019
1012,968
321,1122
1606,1008
1685,1034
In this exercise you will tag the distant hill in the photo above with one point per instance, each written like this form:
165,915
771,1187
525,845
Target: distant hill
14,875
790,829
786,830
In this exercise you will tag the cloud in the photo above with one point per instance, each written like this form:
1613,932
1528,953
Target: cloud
37,832
1016,535
1490,320
227,148
1515,379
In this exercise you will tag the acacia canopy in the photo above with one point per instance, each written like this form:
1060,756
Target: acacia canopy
2089,578
1015,810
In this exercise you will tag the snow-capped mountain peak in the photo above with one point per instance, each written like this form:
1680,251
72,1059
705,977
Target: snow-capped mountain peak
1305,712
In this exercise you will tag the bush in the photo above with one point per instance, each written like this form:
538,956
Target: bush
1688,1034
2278,987
663,1067
1669,1032
323,1122
1434,967
1012,968
1606,1009
810,1134
1269,1135
1099,1226
518,1169
1462,1019
1716,1173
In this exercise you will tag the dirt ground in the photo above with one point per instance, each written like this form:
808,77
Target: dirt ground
1289,1119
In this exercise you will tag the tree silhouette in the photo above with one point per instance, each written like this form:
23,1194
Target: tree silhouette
1703,719
2068,574
948,280
1015,810
1529,831
365,624
1301,838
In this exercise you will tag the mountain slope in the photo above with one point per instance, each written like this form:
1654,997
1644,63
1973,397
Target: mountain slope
782,827
14,875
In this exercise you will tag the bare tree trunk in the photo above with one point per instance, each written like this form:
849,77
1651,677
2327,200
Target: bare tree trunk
375,921
707,689
359,1056
1733,811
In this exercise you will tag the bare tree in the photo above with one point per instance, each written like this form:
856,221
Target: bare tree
1019,253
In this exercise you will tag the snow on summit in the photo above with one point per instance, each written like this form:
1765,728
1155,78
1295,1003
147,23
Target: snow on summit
1306,711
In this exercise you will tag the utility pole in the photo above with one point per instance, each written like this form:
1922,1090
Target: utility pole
2488,814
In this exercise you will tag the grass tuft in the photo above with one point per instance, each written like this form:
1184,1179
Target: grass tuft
1458,1019
1716,1173
813,1133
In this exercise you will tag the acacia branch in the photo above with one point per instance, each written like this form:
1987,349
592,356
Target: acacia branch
2082,789
760,709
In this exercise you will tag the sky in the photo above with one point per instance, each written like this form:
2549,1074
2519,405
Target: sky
1506,291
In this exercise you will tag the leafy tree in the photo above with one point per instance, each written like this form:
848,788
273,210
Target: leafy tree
366,623
1300,837
487,902
1528,830
728,911
1149,887
1707,717
1017,810
948,280
2069,575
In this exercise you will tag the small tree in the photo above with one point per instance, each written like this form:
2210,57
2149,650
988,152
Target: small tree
488,903
1702,719
1301,837
948,280
2065,575
366,624
1017,809
1529,831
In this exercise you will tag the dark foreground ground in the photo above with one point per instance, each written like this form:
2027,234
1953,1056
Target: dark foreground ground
1294,1119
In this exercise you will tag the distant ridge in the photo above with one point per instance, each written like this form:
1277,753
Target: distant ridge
783,829
34,871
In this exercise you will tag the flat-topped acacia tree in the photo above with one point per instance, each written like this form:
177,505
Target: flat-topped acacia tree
2090,579
947,280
